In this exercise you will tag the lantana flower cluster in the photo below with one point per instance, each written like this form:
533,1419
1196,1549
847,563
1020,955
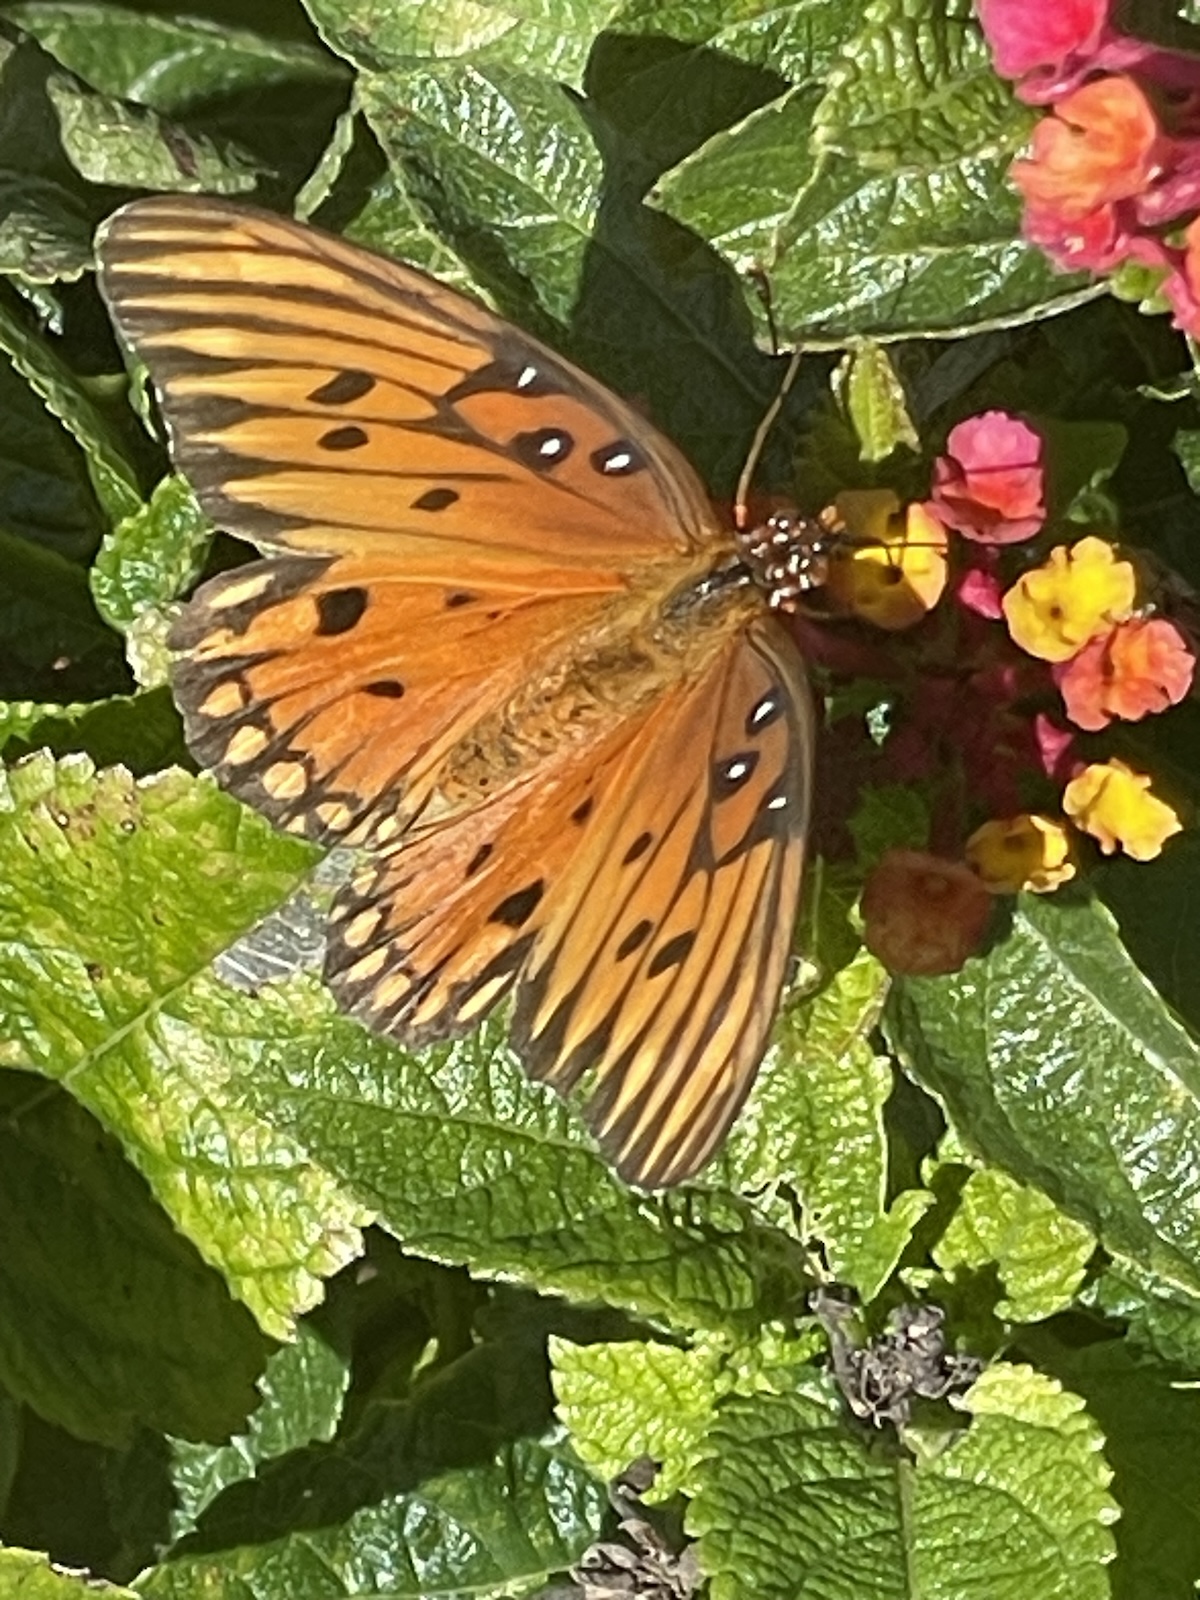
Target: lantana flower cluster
1033,654
1112,178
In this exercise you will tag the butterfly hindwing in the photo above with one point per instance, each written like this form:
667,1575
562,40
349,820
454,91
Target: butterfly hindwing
431,933
327,692
647,943
660,960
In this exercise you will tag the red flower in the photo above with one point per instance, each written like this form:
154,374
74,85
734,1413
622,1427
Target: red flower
991,485
923,915
1024,34
1136,669
1102,144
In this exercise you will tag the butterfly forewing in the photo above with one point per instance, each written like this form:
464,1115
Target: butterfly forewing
323,398
499,643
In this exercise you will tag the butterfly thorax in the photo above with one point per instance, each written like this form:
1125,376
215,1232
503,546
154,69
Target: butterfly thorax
639,647
787,557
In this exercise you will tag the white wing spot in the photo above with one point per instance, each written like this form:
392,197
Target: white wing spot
763,711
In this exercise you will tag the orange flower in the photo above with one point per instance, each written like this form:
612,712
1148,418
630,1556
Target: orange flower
1023,852
1191,258
1101,145
1139,667
1054,610
923,915
893,568
1113,803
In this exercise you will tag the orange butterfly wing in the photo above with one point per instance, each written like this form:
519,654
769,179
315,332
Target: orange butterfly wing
321,398
327,402
474,652
661,957
651,939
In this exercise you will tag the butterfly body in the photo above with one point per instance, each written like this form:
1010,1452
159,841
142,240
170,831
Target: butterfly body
501,642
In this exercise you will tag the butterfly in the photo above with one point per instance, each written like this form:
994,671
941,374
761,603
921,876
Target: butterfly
500,642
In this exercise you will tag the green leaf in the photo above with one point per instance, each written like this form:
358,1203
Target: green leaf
30,1575
128,146
466,1161
628,1399
1040,1255
816,1119
1155,1321
48,212
108,1319
487,141
500,1526
152,555
1058,1061
878,203
391,223
392,35
302,1391
141,731
794,1503
45,235
1022,1496
166,62
114,898
1151,1424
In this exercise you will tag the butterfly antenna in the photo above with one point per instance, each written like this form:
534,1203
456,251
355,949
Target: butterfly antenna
770,417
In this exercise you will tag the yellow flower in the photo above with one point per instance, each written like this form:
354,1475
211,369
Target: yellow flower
894,570
1023,852
1114,804
1054,610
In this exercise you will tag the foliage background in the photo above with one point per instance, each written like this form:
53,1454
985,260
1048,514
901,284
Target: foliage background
286,1312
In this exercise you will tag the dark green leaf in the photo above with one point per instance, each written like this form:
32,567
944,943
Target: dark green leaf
1058,1061
108,1318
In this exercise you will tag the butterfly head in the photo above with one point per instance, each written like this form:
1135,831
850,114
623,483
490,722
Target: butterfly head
787,556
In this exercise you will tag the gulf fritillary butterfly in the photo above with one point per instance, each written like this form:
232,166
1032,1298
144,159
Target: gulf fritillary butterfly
501,642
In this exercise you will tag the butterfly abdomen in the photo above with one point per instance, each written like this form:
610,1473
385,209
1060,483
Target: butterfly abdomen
616,670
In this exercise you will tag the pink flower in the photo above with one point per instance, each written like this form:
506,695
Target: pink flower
991,484
980,590
1095,242
1138,668
1024,34
1054,746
